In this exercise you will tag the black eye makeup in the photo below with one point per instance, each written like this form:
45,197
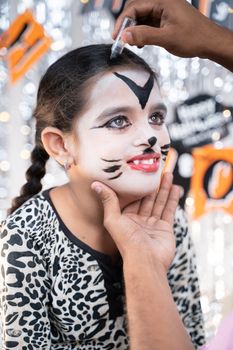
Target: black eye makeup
121,122
118,122
157,118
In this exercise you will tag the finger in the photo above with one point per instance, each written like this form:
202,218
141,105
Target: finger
181,191
147,204
129,11
110,204
137,11
171,205
162,195
132,208
141,35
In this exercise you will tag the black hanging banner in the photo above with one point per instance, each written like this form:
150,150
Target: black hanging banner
222,12
196,121
199,121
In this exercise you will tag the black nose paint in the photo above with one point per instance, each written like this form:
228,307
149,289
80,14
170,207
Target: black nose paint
152,141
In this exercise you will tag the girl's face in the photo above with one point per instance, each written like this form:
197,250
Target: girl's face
122,139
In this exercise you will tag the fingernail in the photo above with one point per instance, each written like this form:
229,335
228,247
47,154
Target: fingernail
127,37
97,189
181,191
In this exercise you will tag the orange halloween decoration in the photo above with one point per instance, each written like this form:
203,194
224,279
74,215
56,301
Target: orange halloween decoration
26,42
212,181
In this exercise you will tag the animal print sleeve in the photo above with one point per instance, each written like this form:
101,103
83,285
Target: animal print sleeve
23,291
184,283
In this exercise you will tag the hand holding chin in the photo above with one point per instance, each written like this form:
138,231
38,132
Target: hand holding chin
144,226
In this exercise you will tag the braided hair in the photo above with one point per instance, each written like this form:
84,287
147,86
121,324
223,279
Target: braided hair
62,95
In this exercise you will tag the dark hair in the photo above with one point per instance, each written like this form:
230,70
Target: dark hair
61,96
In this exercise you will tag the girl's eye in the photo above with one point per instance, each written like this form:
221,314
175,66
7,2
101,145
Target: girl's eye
157,118
119,122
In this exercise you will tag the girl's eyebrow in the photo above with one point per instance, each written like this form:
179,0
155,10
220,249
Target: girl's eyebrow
160,106
126,109
110,111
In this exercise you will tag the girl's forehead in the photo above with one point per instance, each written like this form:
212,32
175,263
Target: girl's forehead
109,78
111,84
112,92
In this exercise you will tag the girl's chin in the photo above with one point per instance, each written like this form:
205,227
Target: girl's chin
126,196
137,187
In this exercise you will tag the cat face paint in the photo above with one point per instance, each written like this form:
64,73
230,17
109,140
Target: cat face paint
117,141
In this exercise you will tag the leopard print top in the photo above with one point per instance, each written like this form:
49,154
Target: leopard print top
57,293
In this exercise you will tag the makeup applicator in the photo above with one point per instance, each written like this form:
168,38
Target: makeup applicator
119,44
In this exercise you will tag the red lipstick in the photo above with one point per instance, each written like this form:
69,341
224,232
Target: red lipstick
148,163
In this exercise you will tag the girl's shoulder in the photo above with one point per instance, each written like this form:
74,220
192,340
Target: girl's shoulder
31,217
37,206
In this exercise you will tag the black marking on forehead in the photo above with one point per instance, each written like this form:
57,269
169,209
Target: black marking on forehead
142,92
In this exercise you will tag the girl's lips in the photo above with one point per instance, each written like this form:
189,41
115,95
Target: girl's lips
147,168
144,157
148,163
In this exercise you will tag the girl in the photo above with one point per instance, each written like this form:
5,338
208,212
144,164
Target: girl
62,287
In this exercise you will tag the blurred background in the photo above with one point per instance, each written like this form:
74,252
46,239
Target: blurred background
199,97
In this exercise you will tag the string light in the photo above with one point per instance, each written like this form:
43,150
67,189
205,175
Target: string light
215,136
4,165
4,117
227,113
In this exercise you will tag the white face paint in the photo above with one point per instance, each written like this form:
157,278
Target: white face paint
113,132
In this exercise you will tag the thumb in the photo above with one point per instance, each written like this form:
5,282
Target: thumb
110,204
144,35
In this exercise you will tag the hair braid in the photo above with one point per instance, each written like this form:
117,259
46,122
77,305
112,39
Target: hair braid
34,175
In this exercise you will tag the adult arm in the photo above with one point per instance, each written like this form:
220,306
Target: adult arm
178,27
144,236
154,322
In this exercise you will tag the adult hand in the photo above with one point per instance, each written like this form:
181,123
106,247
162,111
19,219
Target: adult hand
173,24
145,224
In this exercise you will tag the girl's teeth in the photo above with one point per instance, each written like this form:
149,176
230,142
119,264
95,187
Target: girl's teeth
146,161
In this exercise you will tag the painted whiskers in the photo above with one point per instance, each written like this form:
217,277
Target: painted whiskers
164,151
114,168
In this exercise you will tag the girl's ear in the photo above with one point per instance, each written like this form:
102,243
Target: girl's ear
53,140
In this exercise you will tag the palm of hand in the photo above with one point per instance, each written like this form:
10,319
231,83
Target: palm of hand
155,233
145,224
